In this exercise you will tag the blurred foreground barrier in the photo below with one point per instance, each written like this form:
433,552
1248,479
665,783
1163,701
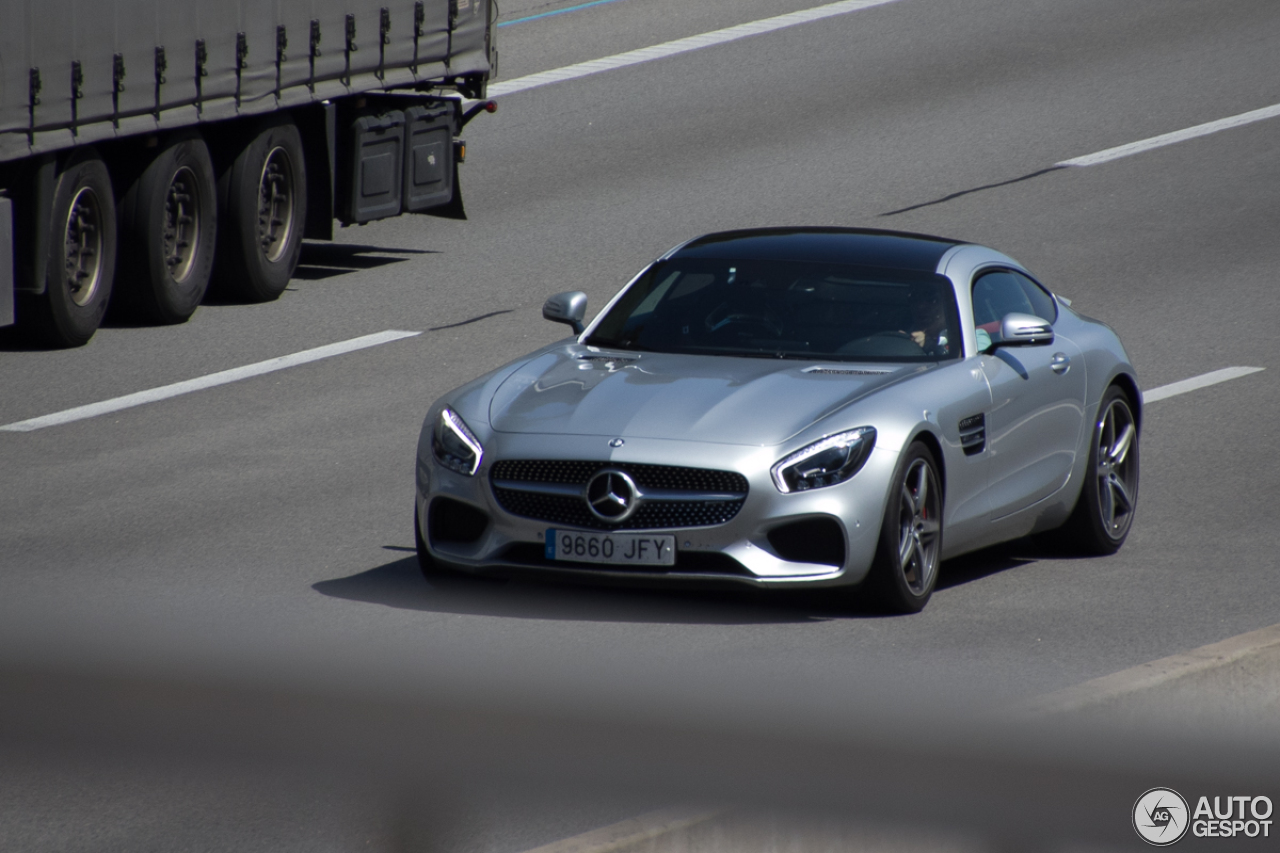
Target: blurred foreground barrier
1021,785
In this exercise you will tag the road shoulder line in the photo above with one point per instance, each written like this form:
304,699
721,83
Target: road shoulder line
1154,674
647,832
634,831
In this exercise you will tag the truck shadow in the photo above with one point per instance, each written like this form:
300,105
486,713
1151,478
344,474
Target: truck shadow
12,339
326,260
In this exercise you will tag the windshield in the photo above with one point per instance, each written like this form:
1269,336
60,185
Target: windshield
785,309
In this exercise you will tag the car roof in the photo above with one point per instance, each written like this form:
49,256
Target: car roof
862,246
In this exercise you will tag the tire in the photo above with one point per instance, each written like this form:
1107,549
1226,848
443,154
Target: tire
81,259
905,570
168,228
262,199
1103,514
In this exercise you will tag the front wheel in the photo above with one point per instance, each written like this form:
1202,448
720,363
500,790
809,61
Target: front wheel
1108,498
905,570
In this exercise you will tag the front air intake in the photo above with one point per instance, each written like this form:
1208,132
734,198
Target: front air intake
453,521
814,540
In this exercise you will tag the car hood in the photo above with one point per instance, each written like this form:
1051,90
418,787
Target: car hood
577,390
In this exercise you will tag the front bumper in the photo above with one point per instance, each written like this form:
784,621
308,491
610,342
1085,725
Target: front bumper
740,551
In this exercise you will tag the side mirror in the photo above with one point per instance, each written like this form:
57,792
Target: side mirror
1020,330
569,307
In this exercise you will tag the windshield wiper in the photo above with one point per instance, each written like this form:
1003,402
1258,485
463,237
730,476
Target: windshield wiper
782,354
624,345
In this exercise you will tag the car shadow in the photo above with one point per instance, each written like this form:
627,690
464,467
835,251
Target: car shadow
999,558
400,584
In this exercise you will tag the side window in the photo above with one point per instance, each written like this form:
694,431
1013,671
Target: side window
996,294
1043,304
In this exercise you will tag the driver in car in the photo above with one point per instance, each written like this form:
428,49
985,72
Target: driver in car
929,321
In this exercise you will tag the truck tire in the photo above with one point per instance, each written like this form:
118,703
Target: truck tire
262,199
168,227
81,257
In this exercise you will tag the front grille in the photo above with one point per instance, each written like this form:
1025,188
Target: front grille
687,562
576,472
571,510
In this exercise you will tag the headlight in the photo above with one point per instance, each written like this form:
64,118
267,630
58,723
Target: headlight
824,463
455,446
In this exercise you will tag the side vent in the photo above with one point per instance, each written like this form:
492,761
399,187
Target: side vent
973,434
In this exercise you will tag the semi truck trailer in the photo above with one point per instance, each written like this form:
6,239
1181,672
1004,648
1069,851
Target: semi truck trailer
151,149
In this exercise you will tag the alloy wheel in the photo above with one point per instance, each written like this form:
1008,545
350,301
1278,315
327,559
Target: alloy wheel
1116,472
919,517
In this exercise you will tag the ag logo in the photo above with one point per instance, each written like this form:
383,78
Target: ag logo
1160,816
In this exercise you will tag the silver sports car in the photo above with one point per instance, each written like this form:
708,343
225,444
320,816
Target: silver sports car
798,407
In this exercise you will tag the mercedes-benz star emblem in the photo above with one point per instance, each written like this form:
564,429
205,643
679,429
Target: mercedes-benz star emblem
616,442
612,495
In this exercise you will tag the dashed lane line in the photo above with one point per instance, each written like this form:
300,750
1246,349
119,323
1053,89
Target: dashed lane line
1170,138
804,16
1195,383
271,365
684,45
200,383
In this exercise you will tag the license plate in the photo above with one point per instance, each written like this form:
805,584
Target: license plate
618,549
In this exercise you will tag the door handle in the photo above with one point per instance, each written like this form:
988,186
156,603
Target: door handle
1060,363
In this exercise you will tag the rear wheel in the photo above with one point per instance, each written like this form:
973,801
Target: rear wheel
905,570
263,207
168,223
1108,498
82,257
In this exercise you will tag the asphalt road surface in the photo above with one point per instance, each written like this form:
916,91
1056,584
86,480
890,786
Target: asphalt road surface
264,525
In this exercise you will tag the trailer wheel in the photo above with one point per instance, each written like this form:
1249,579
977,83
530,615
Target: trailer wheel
81,260
168,223
263,203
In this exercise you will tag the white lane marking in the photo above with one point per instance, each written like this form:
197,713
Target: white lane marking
235,374
1170,138
684,45
1195,383
1191,669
